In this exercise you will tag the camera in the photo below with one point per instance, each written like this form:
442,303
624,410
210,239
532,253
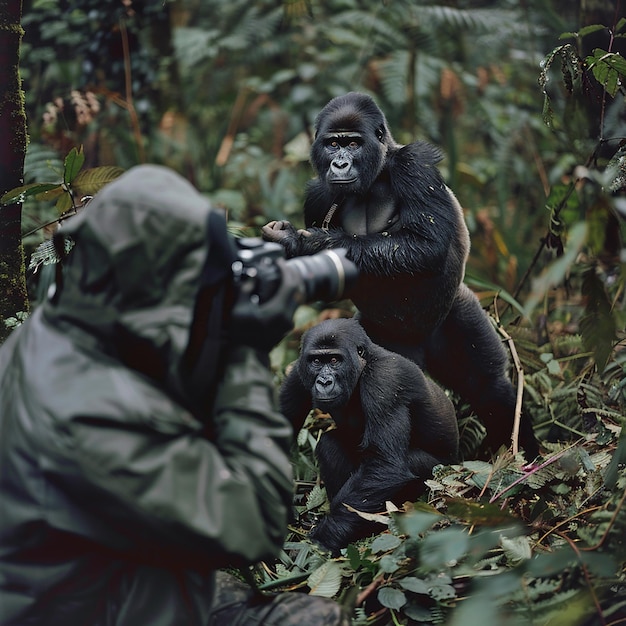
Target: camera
324,276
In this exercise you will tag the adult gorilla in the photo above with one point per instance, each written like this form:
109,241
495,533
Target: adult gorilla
393,425
388,205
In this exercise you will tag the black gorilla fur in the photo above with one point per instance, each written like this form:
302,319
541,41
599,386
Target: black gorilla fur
393,424
388,205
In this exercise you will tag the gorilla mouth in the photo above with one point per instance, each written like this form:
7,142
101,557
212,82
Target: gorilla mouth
326,400
343,181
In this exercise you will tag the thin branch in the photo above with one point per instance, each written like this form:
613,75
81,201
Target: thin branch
534,470
520,382
134,120
587,578
369,590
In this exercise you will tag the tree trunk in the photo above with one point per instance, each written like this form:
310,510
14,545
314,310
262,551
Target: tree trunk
13,295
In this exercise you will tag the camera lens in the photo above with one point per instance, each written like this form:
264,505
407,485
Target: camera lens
325,275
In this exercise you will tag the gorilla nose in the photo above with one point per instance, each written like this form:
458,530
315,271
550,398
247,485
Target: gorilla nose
324,381
340,164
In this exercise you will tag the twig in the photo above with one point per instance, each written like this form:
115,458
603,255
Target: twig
235,118
130,107
377,582
520,382
568,521
531,472
619,506
56,220
587,579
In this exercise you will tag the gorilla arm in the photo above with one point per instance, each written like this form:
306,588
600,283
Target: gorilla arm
382,473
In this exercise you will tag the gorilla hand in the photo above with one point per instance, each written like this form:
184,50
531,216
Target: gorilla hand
277,230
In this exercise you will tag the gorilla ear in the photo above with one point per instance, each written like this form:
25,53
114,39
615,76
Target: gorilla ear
380,133
360,350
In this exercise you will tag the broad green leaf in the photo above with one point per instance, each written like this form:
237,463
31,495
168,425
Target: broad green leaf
385,542
64,203
90,182
418,613
354,556
549,564
19,194
481,471
601,564
592,28
57,192
325,581
553,367
607,67
444,548
72,164
389,564
480,467
442,592
482,513
416,585
391,598
415,523
302,438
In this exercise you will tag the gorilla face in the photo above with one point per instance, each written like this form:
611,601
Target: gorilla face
331,364
328,370
344,151
350,144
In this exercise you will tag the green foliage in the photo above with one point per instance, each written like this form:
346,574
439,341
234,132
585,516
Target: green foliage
527,544
74,187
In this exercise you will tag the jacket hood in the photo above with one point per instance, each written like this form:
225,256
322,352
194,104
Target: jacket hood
132,277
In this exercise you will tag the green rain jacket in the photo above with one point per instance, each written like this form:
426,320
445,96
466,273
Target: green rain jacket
115,507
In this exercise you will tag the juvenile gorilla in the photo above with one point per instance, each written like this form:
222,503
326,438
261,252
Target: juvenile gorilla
388,205
393,425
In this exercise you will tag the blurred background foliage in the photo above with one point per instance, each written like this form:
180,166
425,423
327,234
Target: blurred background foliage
532,123
226,94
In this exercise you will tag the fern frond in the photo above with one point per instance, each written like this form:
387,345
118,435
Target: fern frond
42,164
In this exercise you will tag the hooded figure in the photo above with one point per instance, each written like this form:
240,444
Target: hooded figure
127,475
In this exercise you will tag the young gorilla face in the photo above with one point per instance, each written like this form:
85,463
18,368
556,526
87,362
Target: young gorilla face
331,368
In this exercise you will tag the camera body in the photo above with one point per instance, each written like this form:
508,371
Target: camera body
325,276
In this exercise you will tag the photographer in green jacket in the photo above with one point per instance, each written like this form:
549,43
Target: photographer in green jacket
137,456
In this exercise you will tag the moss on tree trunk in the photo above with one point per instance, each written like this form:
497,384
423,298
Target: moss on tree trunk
13,295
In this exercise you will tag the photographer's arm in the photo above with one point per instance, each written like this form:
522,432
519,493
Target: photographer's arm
158,488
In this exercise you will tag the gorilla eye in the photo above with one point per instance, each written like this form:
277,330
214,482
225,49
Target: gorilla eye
353,145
